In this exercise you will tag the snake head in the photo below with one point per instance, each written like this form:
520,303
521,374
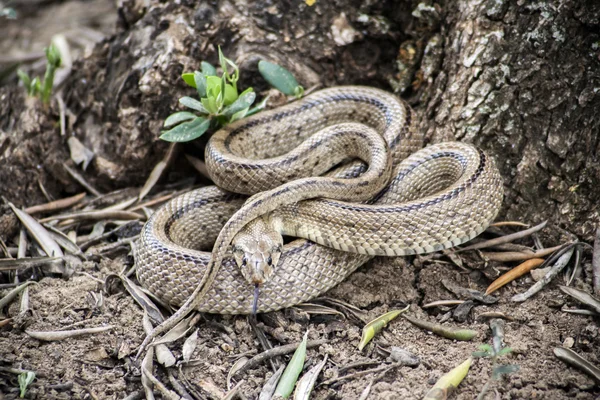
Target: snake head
257,252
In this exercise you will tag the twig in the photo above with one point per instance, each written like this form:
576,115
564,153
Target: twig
361,373
505,239
56,205
561,263
81,180
596,263
277,351
507,256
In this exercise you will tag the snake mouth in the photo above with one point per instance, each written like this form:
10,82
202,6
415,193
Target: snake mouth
255,300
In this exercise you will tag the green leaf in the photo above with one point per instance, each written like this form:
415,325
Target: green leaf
480,354
292,371
178,117
487,348
208,69
376,326
193,104
242,102
504,351
280,78
24,77
25,379
200,82
213,86
36,86
188,77
186,131
210,104
504,370
449,381
259,107
53,56
239,115
231,95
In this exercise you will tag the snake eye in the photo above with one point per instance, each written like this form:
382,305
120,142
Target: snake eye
270,260
244,261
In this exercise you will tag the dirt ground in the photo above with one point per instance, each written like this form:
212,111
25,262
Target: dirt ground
101,366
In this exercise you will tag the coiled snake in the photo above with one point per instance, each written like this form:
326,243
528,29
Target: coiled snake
438,197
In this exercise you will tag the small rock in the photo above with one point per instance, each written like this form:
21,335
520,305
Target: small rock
569,342
398,354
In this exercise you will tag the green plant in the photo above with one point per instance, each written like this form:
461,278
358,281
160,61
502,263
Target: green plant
43,89
25,380
7,12
498,370
220,102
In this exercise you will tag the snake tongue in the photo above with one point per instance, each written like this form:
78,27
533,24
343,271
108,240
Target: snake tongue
255,301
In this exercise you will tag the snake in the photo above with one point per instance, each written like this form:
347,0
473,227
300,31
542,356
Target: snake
435,198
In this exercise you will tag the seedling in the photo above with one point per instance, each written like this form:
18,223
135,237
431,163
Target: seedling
25,379
220,101
42,89
498,370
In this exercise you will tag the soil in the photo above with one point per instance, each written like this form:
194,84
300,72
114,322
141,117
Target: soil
117,95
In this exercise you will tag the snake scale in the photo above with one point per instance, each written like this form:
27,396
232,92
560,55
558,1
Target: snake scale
438,197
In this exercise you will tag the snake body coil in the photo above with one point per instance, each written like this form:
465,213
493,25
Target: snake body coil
439,197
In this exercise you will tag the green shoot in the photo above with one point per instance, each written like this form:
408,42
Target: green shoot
219,102
498,370
37,88
25,380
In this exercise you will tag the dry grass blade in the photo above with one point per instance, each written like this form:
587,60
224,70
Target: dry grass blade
235,368
11,264
509,223
10,296
514,273
75,175
147,369
442,303
140,297
189,346
509,256
152,179
318,309
163,354
38,232
97,215
199,166
560,264
269,388
50,336
384,368
582,297
506,238
56,205
570,357
179,330
596,263
63,241
79,153
307,382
